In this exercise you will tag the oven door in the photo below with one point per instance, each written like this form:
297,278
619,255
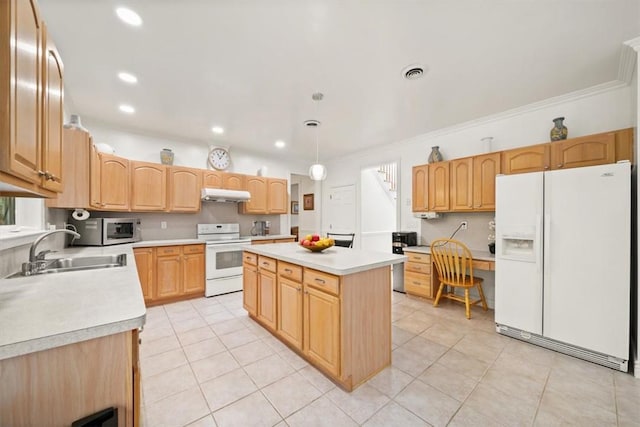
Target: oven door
224,260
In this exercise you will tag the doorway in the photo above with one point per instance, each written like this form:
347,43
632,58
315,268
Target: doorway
378,206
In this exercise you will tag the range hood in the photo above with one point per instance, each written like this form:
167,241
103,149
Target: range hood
220,195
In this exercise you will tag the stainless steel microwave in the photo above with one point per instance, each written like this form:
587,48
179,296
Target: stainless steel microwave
106,231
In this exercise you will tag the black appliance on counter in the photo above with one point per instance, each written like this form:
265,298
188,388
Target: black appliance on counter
402,239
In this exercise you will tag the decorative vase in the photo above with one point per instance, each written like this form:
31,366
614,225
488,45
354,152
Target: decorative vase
166,156
435,155
559,131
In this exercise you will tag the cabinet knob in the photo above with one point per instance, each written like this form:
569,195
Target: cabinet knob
546,166
288,270
299,289
41,173
306,292
560,165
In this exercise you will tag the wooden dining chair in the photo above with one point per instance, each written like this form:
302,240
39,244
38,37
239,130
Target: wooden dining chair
342,239
453,263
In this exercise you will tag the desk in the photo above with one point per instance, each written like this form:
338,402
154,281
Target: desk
418,277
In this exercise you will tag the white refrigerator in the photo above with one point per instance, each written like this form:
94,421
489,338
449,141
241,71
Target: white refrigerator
563,250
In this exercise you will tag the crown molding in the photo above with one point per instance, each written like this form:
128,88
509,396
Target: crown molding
628,58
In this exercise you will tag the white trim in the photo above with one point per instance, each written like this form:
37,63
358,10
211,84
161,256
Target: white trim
628,58
633,43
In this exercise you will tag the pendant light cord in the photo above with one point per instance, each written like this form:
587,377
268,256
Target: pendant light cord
317,97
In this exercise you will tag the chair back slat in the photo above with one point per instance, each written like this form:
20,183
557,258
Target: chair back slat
453,262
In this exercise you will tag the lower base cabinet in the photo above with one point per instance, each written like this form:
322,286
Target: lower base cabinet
417,275
322,329
171,273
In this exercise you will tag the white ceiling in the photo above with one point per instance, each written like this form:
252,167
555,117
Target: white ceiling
251,66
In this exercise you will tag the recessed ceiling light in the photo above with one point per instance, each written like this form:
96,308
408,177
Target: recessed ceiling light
217,130
129,16
279,144
127,109
127,77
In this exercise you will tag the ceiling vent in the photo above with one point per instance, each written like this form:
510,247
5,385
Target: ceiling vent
413,72
311,123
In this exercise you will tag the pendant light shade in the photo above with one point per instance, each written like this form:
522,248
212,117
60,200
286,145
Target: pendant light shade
317,171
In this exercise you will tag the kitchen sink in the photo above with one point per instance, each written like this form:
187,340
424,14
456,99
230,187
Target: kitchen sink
60,265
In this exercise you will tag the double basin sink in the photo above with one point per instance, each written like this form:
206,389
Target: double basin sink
60,265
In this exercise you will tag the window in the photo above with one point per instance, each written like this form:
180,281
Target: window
7,211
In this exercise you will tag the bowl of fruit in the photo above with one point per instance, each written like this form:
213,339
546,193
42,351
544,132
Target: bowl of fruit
315,243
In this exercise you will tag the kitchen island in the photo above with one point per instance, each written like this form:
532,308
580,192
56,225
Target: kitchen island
332,307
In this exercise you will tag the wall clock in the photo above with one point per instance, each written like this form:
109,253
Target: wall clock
219,158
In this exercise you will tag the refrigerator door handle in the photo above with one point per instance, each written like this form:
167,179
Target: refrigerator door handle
538,242
547,241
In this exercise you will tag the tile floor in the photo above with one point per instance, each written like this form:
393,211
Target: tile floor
205,363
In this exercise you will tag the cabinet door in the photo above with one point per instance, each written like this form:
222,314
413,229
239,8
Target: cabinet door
193,272
462,184
290,311
417,283
584,151
277,202
184,189
322,329
485,169
420,188
439,186
250,288
148,186
95,167
114,183
267,298
534,158
77,150
21,105
144,265
233,181
168,276
212,179
257,187
52,97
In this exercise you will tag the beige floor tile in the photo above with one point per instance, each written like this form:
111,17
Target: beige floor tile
431,405
529,352
204,422
514,384
557,408
178,307
400,311
227,388
220,316
316,378
152,333
430,350
573,385
185,407
251,352
594,373
195,335
361,403
189,324
239,312
412,325
400,336
293,359
214,366
202,349
394,415
268,370
228,326
211,309
471,346
627,384
181,316
390,381
448,381
464,364
290,394
163,362
409,361
199,303
467,417
628,409
321,413
443,334
424,316
253,410
516,365
238,338
505,408
275,344
148,349
163,385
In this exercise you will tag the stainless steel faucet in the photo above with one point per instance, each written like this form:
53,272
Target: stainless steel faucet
36,261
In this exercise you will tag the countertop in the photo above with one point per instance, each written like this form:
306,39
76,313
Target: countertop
51,310
477,255
151,243
335,260
272,236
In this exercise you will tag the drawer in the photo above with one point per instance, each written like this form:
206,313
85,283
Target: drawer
261,242
193,249
168,250
483,265
250,258
267,263
417,284
323,281
418,267
287,240
416,257
290,271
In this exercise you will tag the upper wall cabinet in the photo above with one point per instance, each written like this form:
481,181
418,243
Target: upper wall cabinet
233,181
212,179
148,186
485,169
420,188
461,189
31,89
439,186
277,199
109,182
77,151
534,158
184,189
584,151
268,196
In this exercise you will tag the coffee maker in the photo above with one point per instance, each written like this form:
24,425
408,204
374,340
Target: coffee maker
260,228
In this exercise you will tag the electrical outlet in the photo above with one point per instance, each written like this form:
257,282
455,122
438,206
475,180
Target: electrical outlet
464,225
163,224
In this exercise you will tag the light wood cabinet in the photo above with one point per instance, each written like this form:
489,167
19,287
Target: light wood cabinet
144,264
535,158
212,179
268,196
109,182
439,186
168,274
277,196
267,294
250,283
290,311
233,181
420,188
148,186
584,151
322,329
77,150
184,189
193,269
266,241
485,169
461,184
417,275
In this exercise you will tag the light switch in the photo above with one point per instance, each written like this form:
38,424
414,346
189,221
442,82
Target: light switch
163,224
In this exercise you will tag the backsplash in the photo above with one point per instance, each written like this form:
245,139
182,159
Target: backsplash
11,259
475,236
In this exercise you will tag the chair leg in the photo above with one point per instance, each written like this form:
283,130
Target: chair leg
466,303
438,295
484,301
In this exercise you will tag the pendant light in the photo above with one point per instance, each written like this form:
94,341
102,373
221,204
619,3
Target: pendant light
317,171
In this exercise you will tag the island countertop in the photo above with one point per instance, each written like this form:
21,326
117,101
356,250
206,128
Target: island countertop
50,310
335,260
